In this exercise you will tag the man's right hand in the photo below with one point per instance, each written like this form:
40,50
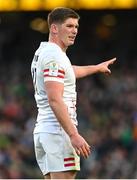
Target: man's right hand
80,145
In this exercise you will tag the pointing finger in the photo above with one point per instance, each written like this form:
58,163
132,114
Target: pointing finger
112,61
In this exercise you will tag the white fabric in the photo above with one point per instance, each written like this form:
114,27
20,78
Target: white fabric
50,63
54,153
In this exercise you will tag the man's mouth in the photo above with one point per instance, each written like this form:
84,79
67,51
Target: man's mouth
72,38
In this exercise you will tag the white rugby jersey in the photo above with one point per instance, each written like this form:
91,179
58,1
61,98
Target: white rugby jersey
50,63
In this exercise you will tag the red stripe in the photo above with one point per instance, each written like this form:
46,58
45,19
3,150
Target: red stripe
69,164
46,70
69,159
60,71
59,76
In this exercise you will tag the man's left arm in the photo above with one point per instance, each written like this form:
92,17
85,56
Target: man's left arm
83,71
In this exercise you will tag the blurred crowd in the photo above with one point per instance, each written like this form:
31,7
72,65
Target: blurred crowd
107,105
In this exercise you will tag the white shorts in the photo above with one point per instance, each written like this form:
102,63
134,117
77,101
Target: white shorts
54,153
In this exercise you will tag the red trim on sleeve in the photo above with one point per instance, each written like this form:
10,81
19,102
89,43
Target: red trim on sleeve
60,71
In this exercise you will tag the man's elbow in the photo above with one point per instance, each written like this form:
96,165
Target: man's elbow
53,101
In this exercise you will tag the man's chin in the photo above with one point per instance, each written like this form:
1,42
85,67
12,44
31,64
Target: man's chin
71,43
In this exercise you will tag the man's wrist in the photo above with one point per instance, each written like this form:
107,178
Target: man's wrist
98,68
73,133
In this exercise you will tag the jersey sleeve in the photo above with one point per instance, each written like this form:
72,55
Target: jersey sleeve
53,70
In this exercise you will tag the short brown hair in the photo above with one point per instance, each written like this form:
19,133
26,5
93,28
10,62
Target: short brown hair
60,14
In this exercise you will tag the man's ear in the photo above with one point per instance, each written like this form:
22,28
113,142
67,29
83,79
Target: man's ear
54,28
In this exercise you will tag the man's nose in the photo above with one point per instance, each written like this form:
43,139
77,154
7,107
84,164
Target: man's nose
75,30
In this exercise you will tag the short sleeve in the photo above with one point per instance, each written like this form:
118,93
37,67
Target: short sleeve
53,71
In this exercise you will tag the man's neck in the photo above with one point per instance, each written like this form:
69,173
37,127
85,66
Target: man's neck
60,44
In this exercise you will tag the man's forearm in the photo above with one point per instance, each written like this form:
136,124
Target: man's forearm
61,112
83,71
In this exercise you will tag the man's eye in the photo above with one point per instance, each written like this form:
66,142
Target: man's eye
69,26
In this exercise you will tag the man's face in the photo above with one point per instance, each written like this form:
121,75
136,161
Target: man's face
67,31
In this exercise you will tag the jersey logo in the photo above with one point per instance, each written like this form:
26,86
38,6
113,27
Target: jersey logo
54,71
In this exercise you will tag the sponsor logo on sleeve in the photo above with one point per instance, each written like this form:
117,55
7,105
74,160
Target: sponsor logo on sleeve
53,70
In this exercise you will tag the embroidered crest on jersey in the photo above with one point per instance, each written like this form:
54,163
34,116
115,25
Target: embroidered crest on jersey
53,70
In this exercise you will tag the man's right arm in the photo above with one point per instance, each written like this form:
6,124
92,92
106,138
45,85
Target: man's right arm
54,92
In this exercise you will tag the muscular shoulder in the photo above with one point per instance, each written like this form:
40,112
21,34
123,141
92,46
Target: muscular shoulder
53,53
